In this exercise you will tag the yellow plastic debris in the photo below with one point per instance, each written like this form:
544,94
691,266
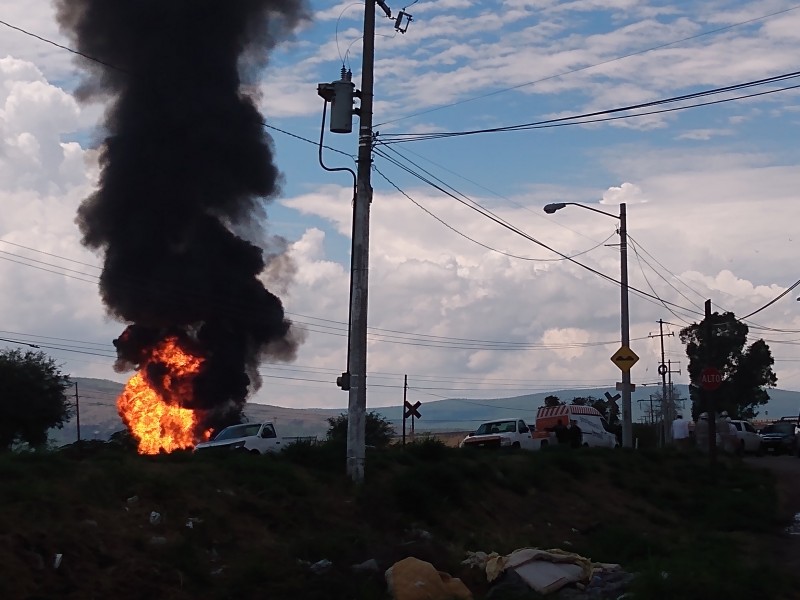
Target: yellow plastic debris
414,579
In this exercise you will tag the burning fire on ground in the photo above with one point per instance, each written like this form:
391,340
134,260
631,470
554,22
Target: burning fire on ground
151,405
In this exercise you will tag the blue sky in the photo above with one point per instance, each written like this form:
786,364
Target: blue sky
711,192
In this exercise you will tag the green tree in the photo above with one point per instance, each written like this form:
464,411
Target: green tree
32,397
746,370
378,430
579,401
552,401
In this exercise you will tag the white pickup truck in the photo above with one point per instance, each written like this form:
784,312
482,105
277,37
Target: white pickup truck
256,438
503,433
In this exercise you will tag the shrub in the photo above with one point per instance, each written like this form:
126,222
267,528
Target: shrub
378,430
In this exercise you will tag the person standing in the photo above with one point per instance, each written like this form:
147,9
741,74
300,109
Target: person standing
724,437
680,432
728,431
701,432
575,434
561,432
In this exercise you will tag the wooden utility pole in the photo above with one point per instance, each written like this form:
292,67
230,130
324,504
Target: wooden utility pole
667,409
78,412
405,394
709,394
359,262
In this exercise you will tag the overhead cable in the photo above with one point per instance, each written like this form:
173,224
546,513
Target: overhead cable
473,240
488,214
592,66
587,118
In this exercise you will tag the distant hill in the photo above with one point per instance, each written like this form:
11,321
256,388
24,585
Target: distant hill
99,418
460,414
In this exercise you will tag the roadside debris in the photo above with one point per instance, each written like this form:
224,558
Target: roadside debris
57,560
321,566
548,571
414,579
367,566
155,518
794,528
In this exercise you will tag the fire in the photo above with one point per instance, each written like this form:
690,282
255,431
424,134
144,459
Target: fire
152,409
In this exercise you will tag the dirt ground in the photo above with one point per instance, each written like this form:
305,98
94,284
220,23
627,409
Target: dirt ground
787,473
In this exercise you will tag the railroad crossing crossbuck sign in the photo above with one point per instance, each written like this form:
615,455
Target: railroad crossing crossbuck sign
612,400
411,410
624,358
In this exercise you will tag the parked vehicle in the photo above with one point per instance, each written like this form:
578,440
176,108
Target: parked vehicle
503,433
780,437
256,438
747,438
595,430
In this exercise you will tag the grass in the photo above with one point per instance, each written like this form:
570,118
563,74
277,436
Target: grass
259,522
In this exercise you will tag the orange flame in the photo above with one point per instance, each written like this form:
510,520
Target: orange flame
156,420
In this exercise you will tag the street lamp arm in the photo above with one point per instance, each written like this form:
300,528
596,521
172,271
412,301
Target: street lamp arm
627,424
551,208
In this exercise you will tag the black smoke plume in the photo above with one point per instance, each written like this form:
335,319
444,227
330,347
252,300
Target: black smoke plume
185,163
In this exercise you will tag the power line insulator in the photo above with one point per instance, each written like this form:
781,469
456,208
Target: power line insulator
403,21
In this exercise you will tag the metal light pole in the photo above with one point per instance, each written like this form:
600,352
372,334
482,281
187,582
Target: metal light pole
627,420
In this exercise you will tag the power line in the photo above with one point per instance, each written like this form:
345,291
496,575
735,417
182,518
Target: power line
496,194
486,383
585,68
61,46
77,262
393,336
47,337
49,270
19,343
587,118
121,70
652,289
378,334
464,235
481,404
305,139
641,268
644,250
488,214
773,301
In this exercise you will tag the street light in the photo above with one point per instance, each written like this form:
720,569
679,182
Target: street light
627,424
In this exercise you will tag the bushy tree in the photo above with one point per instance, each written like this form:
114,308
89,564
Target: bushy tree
552,401
746,370
32,397
378,430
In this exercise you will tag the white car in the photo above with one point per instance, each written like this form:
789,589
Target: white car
747,438
503,433
256,438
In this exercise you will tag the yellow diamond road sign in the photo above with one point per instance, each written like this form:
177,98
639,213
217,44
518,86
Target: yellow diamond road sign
624,358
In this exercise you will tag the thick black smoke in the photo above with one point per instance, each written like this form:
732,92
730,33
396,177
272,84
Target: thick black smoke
185,163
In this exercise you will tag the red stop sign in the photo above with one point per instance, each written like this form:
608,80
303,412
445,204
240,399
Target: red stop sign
710,379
